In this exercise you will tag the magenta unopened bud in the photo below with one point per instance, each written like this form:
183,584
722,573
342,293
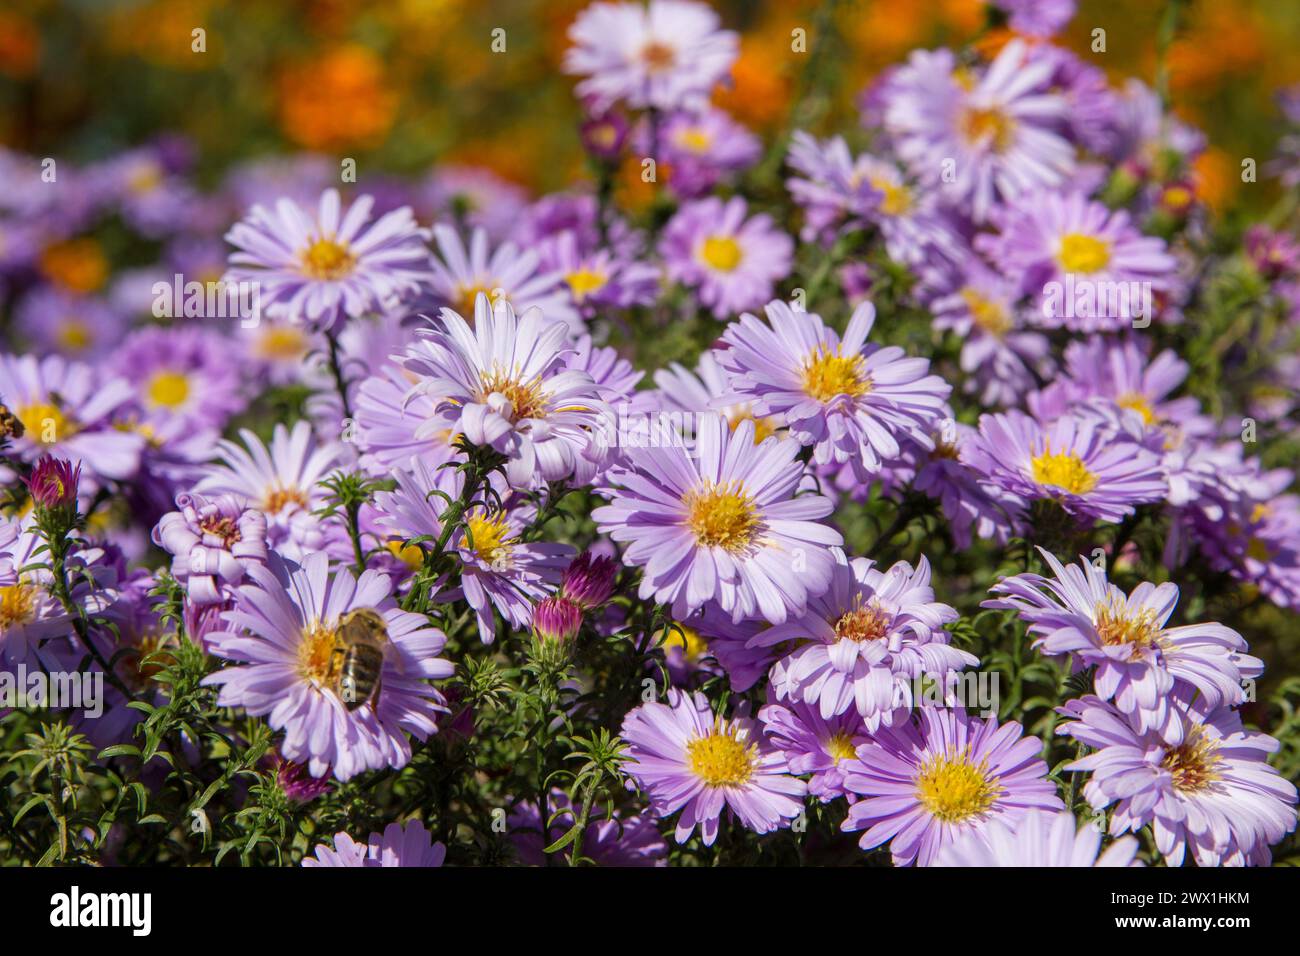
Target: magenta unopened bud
589,581
557,619
53,483
603,136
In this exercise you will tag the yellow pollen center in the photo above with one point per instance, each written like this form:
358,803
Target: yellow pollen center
168,390
1138,403
721,253
953,788
827,375
280,342
584,282
488,537
527,399
410,554
1063,470
279,498
840,747
45,424
317,660
1080,253
694,139
979,125
17,605
468,294
863,623
763,427
720,760
327,259
722,516
74,336
223,528
1194,764
987,314
693,646
897,199
1115,627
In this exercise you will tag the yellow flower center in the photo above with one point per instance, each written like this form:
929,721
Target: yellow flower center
694,139
282,343
409,554
74,336
840,747
17,605
658,57
527,399
827,375
1194,764
328,260
221,527
584,282
721,253
1116,626
488,537
897,199
45,424
954,788
987,314
317,657
1080,253
693,646
720,760
279,498
466,295
987,125
722,516
863,623
168,390
1064,470
1138,403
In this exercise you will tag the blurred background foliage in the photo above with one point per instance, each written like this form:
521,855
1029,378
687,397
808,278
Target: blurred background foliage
403,84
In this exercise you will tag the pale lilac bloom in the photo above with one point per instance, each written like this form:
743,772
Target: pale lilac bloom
181,372
281,637
1138,659
599,279
668,54
323,267
212,543
398,845
834,187
731,261
862,644
998,128
721,525
686,758
1041,18
852,401
815,745
393,425
924,784
1213,794
1039,839
506,383
700,149
55,320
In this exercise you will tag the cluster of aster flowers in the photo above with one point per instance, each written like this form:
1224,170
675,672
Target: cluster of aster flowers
562,529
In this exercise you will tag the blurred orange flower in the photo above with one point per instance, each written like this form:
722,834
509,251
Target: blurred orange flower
77,265
338,99
20,46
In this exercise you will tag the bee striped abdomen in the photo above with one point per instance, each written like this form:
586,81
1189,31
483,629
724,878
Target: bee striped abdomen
362,664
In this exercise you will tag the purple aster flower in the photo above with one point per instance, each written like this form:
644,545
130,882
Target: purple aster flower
601,278
732,262
686,758
972,506
699,392
283,637
506,275
1001,356
1138,658
860,645
77,326
852,401
1214,793
212,543
996,126
925,783
1038,839
712,634
182,371
398,845
505,383
1092,471
67,411
1041,18
833,187
474,196
283,482
815,745
334,265
1069,252
697,150
53,483
668,54
613,840
393,424
724,526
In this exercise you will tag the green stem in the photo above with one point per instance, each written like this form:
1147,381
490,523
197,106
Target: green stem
336,368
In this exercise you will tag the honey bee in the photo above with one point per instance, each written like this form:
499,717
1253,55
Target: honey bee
362,641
